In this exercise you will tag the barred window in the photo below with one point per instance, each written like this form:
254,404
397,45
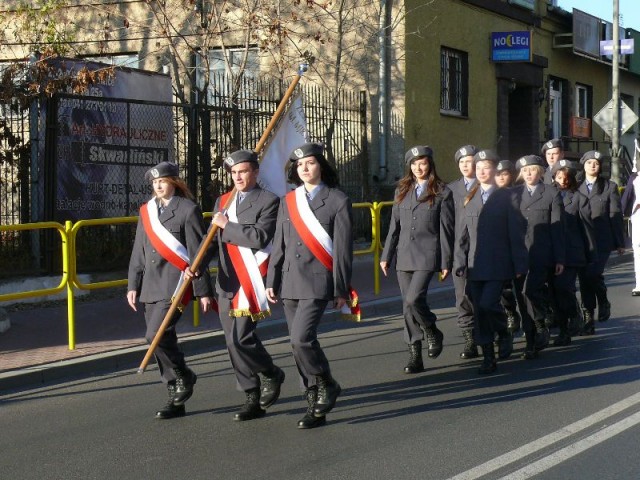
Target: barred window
218,82
454,88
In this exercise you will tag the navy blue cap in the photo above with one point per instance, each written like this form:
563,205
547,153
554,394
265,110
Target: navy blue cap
240,156
466,151
163,169
306,150
529,160
417,152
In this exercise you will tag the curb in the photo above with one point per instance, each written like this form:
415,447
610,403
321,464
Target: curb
129,358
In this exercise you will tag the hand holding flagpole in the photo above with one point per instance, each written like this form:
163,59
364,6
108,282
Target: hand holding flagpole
195,266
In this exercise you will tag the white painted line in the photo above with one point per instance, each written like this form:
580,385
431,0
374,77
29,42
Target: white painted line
519,453
574,449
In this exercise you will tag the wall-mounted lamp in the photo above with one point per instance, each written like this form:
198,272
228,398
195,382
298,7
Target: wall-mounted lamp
512,85
542,95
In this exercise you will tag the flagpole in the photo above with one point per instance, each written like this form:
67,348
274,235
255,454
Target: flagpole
302,68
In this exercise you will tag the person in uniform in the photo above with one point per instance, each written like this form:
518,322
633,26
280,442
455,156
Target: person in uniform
542,208
606,213
420,240
459,189
491,251
631,209
168,234
580,250
552,151
505,178
244,238
310,266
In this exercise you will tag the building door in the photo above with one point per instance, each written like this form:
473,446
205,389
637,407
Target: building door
523,128
555,108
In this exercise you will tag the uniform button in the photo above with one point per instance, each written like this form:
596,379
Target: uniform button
153,261
413,228
299,243
414,218
297,255
153,251
412,238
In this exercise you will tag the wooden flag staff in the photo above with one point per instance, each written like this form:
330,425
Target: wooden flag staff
214,228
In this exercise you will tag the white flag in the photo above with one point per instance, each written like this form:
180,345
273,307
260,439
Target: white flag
290,133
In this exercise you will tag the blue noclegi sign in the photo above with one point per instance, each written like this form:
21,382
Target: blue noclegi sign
511,46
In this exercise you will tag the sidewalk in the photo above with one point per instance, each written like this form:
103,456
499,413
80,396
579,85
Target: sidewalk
110,336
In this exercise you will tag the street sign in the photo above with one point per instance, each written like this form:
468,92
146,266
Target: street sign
626,47
604,118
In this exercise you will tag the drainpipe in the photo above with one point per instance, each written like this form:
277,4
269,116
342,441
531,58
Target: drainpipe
383,89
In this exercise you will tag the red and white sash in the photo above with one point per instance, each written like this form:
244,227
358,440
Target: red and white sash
250,268
166,245
318,241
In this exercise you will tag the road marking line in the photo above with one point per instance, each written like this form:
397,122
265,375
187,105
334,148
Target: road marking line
547,440
573,449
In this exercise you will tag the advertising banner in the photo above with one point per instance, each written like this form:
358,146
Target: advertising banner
511,46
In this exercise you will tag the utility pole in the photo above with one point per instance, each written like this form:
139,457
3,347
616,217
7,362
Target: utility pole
615,91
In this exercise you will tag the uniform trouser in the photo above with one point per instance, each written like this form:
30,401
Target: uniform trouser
533,293
415,309
508,298
463,303
248,355
635,243
593,290
303,317
563,295
489,316
167,353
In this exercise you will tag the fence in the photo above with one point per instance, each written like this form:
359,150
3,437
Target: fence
70,255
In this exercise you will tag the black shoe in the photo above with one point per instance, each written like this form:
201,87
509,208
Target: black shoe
575,326
185,380
470,347
530,352
635,293
604,311
550,318
505,345
542,339
434,342
328,391
415,364
488,364
513,321
251,408
271,387
170,410
310,420
562,340
589,323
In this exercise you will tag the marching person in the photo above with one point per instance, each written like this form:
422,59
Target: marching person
580,249
244,238
491,250
631,208
459,190
553,152
505,178
608,223
168,234
542,209
420,239
310,266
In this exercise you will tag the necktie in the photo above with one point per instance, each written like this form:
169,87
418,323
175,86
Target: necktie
485,196
241,196
419,190
589,187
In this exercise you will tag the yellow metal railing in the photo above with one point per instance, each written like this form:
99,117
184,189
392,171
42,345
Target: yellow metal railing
70,281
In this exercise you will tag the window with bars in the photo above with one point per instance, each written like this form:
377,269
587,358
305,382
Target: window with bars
454,88
219,75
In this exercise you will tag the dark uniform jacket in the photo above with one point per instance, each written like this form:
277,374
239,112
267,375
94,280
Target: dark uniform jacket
294,272
629,196
255,227
543,213
491,245
579,231
459,193
421,235
150,274
606,213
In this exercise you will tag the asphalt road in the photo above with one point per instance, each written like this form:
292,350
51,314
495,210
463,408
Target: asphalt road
574,413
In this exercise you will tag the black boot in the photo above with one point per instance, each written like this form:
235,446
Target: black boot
470,347
563,339
530,351
604,311
310,420
513,321
185,380
488,364
589,324
415,364
542,336
251,408
576,324
170,410
434,342
328,391
505,344
271,384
